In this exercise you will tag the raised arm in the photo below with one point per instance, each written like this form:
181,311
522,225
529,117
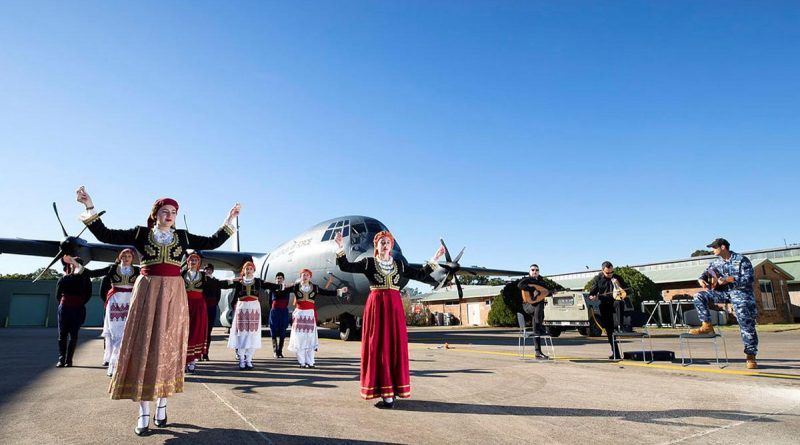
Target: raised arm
199,242
91,218
422,274
341,258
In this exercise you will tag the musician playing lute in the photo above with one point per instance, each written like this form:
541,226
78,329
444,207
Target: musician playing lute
533,294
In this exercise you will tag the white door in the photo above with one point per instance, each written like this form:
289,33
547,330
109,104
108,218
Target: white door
474,313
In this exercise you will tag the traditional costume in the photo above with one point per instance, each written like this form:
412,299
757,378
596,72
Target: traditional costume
117,301
279,317
304,340
195,280
72,291
153,350
384,339
245,335
212,294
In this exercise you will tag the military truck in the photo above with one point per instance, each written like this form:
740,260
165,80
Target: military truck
572,310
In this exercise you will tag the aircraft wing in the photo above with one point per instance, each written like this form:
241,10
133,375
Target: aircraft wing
19,246
481,271
227,260
74,246
108,252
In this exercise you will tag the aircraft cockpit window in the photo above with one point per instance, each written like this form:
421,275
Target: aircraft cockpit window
343,226
360,228
374,227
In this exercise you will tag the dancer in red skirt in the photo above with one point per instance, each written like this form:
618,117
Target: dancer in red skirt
194,280
384,340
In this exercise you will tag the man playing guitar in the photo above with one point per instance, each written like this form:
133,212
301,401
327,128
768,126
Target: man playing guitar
533,294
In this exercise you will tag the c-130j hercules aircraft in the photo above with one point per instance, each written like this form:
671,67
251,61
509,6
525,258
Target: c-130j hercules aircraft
313,249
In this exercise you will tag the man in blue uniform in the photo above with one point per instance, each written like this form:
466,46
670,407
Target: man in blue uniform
729,280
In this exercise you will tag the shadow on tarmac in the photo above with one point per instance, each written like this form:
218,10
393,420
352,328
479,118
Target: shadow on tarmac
675,417
194,434
493,337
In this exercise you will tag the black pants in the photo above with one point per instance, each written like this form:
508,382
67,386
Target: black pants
610,317
537,318
212,319
70,319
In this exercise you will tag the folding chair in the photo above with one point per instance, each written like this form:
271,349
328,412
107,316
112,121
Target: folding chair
524,334
640,335
717,318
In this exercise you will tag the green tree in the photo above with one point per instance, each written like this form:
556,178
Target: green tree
50,274
640,287
506,305
701,252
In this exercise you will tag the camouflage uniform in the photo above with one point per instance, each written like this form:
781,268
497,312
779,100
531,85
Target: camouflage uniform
738,293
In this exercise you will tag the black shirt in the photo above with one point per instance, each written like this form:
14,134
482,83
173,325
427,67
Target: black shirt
603,288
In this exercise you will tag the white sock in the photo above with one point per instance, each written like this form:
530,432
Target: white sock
161,408
144,415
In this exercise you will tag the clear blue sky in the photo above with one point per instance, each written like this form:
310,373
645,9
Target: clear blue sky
564,133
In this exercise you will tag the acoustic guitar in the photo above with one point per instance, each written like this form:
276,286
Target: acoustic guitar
534,294
714,280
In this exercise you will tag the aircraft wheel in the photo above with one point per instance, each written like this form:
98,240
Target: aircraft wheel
347,327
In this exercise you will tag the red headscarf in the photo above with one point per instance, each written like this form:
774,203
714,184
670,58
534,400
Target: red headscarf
310,274
194,255
378,236
130,251
244,266
151,220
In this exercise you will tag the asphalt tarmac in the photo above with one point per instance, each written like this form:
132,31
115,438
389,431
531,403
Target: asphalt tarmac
476,390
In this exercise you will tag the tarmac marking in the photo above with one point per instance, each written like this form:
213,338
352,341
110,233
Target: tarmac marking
724,427
260,433
625,362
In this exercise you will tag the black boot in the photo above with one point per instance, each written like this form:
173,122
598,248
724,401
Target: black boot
274,347
62,352
73,343
280,347
537,342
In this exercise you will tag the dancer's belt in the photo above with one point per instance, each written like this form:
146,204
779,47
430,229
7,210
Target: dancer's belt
71,300
280,304
305,305
161,270
248,299
194,295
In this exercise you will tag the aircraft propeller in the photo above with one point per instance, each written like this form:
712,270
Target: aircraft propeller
68,246
452,266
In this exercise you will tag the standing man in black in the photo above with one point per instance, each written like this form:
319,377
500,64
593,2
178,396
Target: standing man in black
534,285
72,291
211,292
610,309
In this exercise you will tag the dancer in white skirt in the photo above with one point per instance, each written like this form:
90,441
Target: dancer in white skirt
245,336
304,340
121,276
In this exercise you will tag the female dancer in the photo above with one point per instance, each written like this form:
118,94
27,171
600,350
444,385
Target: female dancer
384,340
304,340
245,335
121,276
195,281
153,350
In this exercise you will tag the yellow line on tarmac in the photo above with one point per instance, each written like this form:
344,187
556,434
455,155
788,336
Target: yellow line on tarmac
624,362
